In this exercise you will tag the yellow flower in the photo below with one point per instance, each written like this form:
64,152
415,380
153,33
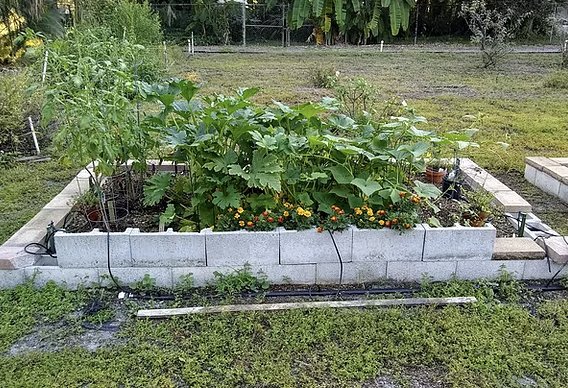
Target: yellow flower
300,211
372,219
381,222
240,210
358,211
287,205
307,213
370,212
230,210
286,214
241,223
237,215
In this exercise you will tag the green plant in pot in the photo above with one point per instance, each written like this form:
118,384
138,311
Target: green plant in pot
88,204
478,208
437,166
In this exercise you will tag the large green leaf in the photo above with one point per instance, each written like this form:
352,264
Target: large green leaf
405,15
340,13
426,190
317,7
222,163
156,187
341,174
395,14
356,5
227,198
368,187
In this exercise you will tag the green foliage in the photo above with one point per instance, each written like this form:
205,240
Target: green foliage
90,90
360,19
15,103
323,77
25,306
215,22
557,80
357,96
238,154
146,284
238,282
135,21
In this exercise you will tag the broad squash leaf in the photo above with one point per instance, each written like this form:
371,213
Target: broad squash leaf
368,187
227,198
341,174
156,187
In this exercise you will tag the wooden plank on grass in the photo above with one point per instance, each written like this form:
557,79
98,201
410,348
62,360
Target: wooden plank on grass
165,313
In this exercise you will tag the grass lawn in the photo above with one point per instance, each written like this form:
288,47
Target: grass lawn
25,189
498,342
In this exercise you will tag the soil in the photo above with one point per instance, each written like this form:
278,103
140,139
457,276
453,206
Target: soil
548,208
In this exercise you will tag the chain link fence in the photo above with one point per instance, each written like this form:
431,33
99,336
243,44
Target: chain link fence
240,23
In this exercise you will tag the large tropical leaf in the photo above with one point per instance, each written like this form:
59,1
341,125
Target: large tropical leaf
395,14
340,13
317,7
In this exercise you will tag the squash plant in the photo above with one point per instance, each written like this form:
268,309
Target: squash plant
239,154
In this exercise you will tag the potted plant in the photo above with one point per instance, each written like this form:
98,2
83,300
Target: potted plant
477,209
436,168
88,204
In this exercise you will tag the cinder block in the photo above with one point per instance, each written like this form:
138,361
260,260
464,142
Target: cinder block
557,172
89,250
240,247
388,244
563,192
167,249
530,173
459,243
129,276
563,161
71,278
517,248
416,270
543,269
556,247
309,246
539,162
489,269
547,183
353,273
11,278
510,201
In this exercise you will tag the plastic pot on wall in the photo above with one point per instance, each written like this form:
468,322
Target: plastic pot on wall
435,175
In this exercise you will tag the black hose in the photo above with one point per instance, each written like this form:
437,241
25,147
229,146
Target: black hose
339,256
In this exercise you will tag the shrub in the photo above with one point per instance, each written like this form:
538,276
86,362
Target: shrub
15,103
325,77
124,18
557,80
242,280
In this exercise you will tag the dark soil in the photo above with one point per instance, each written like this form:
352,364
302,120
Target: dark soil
545,206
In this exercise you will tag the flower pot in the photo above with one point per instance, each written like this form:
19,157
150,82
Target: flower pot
434,175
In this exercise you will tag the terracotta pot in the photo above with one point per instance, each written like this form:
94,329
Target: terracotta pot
94,215
435,176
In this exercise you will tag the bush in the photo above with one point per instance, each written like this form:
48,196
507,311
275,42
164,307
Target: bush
14,104
557,80
124,18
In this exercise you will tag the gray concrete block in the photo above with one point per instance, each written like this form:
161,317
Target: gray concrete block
556,248
489,269
530,173
459,243
543,269
241,247
563,192
89,250
388,244
539,162
71,278
557,172
547,183
415,271
309,246
11,278
563,161
167,249
510,201
517,248
353,273
130,276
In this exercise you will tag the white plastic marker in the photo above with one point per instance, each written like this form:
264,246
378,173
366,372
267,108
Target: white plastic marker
188,46
165,53
192,44
382,43
566,45
34,134
44,71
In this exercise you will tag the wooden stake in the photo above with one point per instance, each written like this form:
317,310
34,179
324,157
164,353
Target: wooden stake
165,313
36,144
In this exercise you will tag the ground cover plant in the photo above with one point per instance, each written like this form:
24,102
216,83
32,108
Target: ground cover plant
498,342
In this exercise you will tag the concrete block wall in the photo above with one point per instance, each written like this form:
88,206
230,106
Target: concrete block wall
549,175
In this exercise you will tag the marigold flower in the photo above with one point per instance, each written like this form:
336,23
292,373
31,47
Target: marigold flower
270,219
237,216
250,223
230,210
286,214
307,214
319,229
333,219
381,222
280,219
358,211
370,212
372,219
240,210
241,223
